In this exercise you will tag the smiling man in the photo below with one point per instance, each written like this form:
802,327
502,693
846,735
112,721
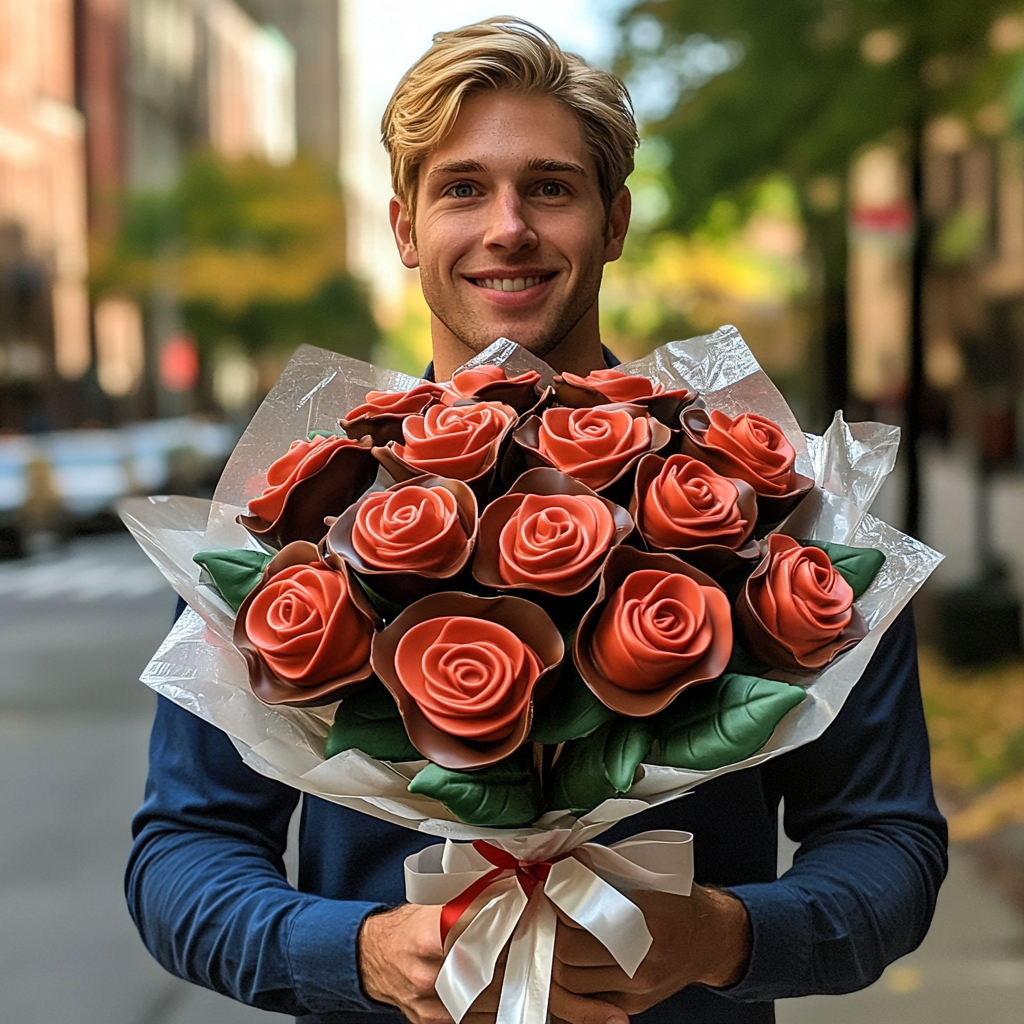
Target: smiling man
509,162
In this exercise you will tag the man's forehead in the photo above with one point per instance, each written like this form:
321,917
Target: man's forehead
522,132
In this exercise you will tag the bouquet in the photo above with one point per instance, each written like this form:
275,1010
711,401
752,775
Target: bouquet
518,607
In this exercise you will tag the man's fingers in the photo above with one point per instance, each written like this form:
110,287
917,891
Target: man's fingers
574,1009
585,981
580,949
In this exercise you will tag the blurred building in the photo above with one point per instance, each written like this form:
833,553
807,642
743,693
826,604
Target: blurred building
99,96
44,310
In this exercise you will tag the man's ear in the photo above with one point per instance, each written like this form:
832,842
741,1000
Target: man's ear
618,224
401,225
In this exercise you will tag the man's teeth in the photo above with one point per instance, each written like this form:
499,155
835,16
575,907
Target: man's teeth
509,284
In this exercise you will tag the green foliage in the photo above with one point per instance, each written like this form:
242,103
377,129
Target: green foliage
503,795
858,566
234,572
369,721
255,254
336,316
570,711
596,768
802,97
719,723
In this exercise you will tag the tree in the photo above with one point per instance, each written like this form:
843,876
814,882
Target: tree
250,252
800,86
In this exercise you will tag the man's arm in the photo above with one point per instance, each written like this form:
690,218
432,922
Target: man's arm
206,883
861,892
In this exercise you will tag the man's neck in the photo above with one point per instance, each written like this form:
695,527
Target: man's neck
579,352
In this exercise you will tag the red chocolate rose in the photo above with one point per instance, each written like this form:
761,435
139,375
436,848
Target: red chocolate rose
460,441
549,533
658,626
304,458
316,478
556,538
751,448
470,678
796,611
755,450
615,385
382,413
688,505
596,446
463,671
396,403
303,632
409,540
410,529
477,380
608,386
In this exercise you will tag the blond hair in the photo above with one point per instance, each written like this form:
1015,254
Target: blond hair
505,53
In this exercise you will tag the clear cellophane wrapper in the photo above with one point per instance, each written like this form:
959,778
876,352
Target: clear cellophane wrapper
198,667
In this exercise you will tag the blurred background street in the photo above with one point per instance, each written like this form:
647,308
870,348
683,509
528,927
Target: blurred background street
189,189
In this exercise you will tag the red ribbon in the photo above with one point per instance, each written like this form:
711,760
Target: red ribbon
528,874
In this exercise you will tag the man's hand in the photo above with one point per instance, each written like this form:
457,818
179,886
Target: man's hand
703,937
400,955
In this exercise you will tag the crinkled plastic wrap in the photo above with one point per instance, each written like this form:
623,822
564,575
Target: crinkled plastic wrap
198,667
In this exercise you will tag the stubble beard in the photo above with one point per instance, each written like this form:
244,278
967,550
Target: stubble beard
540,340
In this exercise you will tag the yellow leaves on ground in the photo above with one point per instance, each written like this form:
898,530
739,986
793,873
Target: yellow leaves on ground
976,724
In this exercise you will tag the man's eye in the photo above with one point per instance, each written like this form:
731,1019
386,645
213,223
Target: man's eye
551,190
460,191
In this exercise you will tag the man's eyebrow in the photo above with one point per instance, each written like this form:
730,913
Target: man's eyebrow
456,167
544,164
556,166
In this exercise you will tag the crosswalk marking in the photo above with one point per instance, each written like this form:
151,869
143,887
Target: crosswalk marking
80,577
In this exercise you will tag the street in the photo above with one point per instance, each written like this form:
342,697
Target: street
75,631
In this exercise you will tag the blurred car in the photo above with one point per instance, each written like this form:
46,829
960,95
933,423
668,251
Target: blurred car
60,481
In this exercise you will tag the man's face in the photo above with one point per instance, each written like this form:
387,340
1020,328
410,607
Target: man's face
511,234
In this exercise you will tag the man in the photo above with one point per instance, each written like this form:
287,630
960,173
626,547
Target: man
509,160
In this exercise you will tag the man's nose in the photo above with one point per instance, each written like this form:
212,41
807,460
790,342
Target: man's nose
508,224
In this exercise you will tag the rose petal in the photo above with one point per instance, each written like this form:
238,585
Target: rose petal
409,529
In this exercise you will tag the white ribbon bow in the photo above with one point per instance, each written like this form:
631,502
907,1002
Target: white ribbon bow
576,879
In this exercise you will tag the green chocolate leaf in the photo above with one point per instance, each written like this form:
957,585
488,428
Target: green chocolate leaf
369,721
723,722
503,795
858,566
599,766
570,711
629,743
235,572
323,433
386,609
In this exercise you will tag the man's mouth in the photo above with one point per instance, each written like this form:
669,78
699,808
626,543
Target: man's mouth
510,284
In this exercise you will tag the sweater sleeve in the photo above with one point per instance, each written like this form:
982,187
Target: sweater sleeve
872,854
206,882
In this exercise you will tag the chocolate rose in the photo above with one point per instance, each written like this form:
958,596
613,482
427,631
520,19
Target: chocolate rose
597,446
316,478
550,533
748,447
461,442
796,611
603,386
683,506
464,671
492,384
409,540
305,630
382,413
657,627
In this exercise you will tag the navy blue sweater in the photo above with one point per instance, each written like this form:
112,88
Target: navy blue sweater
207,888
